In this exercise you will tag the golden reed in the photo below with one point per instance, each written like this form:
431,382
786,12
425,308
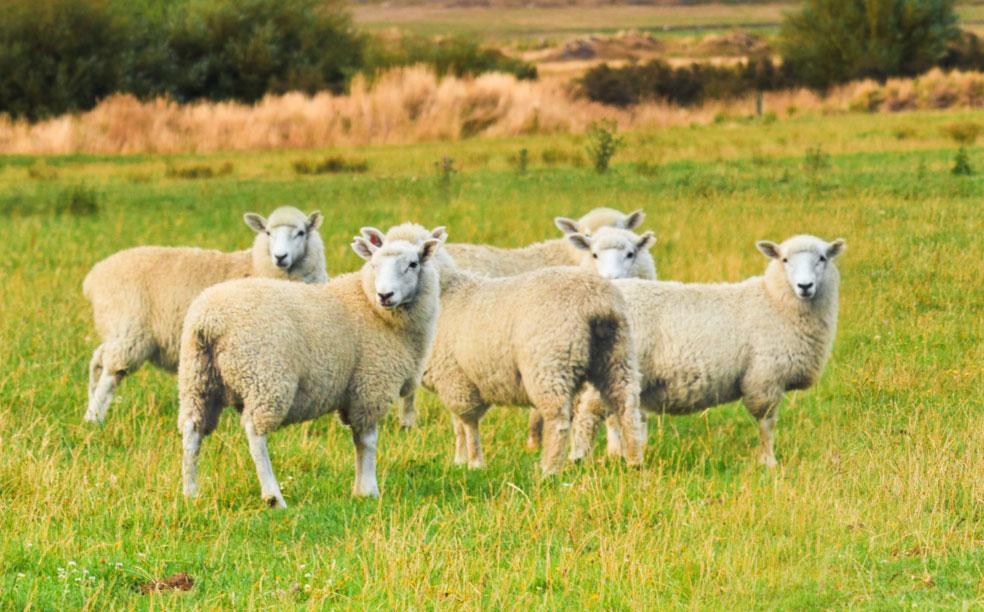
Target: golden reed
411,104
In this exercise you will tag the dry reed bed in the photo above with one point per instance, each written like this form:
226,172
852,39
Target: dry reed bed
410,105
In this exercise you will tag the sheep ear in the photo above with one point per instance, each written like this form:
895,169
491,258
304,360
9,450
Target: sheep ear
427,249
580,241
646,241
373,235
835,248
255,221
568,226
635,219
315,220
440,233
363,248
769,249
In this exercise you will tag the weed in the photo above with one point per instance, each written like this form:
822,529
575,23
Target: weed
330,165
198,171
604,141
816,160
40,171
521,161
961,163
962,132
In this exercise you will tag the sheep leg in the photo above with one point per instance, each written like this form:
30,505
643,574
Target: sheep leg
534,439
613,431
767,425
408,412
269,488
191,442
95,370
473,442
587,415
102,396
556,434
460,441
365,461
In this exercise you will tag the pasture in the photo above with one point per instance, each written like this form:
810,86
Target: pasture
876,503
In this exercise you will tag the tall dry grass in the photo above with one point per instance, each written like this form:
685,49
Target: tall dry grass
411,104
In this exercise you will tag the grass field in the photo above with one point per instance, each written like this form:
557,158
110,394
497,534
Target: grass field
878,502
512,23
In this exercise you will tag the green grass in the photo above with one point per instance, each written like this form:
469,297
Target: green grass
523,23
878,502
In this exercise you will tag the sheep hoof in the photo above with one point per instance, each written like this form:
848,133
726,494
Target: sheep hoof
408,426
274,501
532,444
91,417
768,461
477,464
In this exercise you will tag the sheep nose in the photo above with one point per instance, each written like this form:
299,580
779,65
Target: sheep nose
804,286
384,297
281,259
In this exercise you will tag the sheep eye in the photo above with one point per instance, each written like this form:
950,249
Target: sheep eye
630,255
300,233
784,260
822,258
413,265
267,232
595,255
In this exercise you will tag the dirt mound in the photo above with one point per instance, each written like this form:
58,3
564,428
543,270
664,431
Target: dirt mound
735,42
623,45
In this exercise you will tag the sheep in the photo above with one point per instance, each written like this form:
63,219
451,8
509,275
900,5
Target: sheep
612,253
529,340
284,352
139,296
701,345
496,261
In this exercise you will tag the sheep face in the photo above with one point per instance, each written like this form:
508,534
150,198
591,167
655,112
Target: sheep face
287,233
613,251
394,269
806,260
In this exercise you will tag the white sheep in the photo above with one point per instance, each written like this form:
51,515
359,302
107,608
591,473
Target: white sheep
701,345
613,253
533,339
287,352
140,296
496,261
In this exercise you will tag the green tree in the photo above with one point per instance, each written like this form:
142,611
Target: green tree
244,49
832,41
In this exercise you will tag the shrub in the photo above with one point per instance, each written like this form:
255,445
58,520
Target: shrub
452,55
604,142
685,85
198,171
58,56
961,163
330,165
962,132
243,49
833,41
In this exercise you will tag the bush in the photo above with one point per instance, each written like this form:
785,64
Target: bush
685,85
452,55
604,142
243,49
833,41
58,56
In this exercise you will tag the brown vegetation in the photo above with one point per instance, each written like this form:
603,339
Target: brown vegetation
412,105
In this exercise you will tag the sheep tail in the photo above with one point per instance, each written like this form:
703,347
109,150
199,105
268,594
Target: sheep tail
199,381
